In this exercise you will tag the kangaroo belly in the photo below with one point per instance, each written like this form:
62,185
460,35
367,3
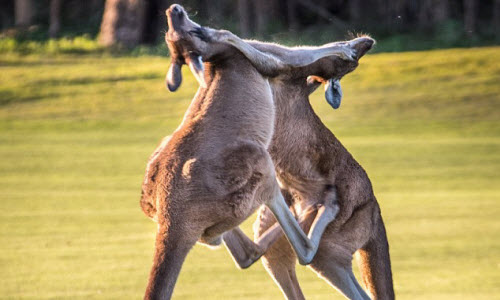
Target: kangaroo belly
236,178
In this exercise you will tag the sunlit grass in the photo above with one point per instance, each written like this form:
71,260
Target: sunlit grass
76,132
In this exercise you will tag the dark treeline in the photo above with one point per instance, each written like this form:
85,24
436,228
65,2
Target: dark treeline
133,22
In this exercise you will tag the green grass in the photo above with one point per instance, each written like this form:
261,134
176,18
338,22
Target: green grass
76,132
82,44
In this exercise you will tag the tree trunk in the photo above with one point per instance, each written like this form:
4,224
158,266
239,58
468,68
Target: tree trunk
24,11
55,18
244,13
324,13
441,11
355,9
397,15
262,13
213,9
293,23
496,18
122,23
432,12
470,17
155,21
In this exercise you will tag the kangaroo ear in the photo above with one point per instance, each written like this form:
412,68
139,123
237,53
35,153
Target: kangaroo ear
174,76
196,66
333,92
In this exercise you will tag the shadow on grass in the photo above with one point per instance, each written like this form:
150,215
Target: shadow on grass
93,80
8,97
38,63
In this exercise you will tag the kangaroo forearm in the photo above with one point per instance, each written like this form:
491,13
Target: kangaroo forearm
323,218
242,249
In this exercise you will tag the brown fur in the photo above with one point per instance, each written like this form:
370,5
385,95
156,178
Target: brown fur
208,177
308,159
214,171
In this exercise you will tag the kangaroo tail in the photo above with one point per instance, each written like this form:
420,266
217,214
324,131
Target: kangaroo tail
375,263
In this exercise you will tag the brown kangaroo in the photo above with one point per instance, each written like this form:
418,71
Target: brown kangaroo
215,171
309,163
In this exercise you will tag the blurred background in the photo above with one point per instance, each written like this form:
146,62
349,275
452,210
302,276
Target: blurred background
83,104
398,24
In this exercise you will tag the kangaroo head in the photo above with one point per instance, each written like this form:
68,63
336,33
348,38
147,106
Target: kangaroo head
187,45
334,68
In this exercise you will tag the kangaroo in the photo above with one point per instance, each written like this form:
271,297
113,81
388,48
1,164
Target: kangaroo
310,162
215,171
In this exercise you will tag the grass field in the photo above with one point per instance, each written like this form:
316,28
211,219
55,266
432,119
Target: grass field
76,132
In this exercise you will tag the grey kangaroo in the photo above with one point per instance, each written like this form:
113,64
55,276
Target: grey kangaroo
215,171
311,164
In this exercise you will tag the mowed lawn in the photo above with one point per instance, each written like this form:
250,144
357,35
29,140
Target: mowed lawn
76,133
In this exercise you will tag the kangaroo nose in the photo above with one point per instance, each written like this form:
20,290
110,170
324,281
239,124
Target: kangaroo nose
176,8
363,45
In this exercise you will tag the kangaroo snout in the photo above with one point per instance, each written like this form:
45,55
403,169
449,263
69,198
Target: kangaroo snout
175,17
176,9
362,45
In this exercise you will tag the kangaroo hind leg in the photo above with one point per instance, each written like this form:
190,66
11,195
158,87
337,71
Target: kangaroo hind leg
339,276
283,273
172,246
280,259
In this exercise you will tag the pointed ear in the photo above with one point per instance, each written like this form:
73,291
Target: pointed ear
174,76
196,66
333,92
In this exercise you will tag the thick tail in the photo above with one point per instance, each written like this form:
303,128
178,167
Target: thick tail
375,264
